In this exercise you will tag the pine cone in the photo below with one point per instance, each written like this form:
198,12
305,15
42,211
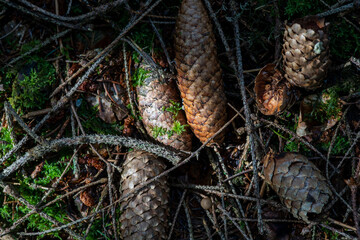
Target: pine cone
199,73
159,104
273,94
306,52
144,216
298,182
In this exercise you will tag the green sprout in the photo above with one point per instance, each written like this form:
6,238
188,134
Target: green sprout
139,76
178,128
174,108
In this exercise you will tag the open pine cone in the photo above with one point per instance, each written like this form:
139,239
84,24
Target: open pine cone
144,215
159,104
199,72
273,93
306,52
298,182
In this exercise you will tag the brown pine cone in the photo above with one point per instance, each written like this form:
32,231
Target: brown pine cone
298,182
159,105
306,52
144,215
273,94
199,72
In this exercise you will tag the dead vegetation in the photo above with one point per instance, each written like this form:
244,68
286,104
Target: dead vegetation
76,83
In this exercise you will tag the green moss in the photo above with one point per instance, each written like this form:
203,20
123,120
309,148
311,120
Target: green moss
10,214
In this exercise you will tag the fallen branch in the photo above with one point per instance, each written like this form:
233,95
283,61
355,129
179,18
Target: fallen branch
42,149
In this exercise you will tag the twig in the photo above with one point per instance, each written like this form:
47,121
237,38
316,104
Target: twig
198,187
338,232
306,143
208,233
349,150
42,44
8,189
84,17
43,17
187,213
9,121
59,105
353,188
51,146
102,198
163,46
113,215
277,32
238,174
23,124
248,123
234,222
176,214
52,189
130,25
232,188
275,204
337,10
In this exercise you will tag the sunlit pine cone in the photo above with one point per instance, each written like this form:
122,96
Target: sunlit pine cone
306,52
199,72
157,104
299,184
273,92
144,215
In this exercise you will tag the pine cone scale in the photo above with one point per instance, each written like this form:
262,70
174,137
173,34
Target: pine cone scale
145,214
298,182
199,73
155,98
306,52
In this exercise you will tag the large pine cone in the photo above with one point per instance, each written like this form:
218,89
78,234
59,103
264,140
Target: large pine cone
144,216
199,72
298,182
273,92
306,52
159,108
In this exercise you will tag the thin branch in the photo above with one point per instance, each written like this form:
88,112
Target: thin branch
130,25
306,143
41,16
42,149
234,222
337,10
42,44
188,218
59,105
8,189
23,124
248,123
176,214
84,17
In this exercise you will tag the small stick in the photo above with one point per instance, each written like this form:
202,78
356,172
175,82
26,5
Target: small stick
130,25
208,233
59,105
234,222
8,189
23,124
163,46
187,213
299,139
176,214
337,10
248,123
338,232
84,17
51,146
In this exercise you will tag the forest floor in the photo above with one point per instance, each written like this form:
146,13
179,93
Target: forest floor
70,69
